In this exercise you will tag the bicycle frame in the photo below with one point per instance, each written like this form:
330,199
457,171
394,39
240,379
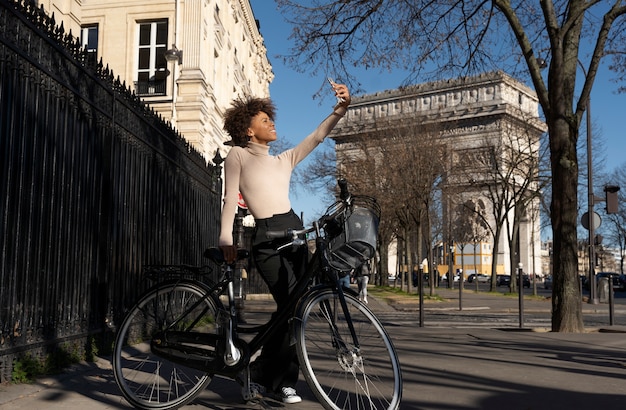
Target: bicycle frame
183,331
233,354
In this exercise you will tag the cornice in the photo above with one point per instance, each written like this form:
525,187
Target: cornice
257,39
445,86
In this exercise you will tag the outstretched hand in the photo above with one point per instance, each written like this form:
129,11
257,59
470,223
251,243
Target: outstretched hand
342,93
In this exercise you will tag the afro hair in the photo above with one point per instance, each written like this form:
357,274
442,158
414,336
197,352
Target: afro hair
238,117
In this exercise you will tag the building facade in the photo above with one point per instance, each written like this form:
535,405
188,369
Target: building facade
187,59
480,121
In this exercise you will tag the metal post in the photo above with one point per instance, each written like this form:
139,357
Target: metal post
520,280
461,285
611,301
593,299
420,283
238,274
451,267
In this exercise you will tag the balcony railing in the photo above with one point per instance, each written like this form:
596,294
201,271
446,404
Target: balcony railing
150,88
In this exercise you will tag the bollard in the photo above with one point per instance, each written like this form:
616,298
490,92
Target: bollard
611,305
520,279
420,284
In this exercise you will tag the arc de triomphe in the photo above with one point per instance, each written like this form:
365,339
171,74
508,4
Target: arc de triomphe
470,113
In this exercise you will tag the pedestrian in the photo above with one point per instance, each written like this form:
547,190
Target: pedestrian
362,279
263,181
345,279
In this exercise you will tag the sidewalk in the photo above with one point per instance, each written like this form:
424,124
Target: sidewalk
472,300
443,367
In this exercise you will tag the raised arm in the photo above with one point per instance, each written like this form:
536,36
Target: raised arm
326,126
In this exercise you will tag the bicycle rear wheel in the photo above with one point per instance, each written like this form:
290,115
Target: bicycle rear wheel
149,381
342,375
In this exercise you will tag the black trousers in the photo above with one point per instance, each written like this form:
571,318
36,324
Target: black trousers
277,365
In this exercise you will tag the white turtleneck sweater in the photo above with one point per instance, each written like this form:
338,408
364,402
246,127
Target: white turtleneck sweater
263,179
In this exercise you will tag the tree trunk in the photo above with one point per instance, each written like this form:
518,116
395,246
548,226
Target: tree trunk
494,258
383,261
566,297
408,260
514,256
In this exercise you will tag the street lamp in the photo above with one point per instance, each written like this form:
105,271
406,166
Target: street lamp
590,199
174,55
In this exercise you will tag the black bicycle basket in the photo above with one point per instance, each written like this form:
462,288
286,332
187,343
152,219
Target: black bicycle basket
353,232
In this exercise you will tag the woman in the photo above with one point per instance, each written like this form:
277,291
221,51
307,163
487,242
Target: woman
263,181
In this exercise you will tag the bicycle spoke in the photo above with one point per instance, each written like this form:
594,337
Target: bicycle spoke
147,380
342,376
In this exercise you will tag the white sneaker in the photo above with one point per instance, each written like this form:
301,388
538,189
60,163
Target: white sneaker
289,395
256,391
365,300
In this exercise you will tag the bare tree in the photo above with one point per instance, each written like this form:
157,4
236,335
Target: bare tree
361,166
466,37
414,161
400,164
470,229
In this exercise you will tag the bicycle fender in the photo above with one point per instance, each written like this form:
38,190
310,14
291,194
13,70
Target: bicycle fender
315,289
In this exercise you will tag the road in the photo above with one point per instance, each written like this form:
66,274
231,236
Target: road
476,358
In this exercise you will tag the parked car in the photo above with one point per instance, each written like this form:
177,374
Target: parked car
444,278
503,280
547,282
480,277
617,285
526,281
584,281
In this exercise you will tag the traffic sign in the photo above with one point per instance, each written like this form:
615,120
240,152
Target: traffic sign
597,221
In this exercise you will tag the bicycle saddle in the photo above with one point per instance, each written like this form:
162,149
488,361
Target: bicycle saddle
216,255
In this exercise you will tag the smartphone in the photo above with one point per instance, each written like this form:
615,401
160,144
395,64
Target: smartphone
332,83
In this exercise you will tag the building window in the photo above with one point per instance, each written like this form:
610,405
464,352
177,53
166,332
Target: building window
151,64
89,41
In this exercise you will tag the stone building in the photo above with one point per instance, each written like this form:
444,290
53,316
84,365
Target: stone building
186,59
480,122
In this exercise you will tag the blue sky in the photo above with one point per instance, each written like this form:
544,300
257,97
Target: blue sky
299,113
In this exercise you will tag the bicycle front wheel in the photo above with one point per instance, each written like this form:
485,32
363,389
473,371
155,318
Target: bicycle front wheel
341,374
149,381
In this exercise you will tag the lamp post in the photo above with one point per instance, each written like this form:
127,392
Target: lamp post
174,55
590,199
451,267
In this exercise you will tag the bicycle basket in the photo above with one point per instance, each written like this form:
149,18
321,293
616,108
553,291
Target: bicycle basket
354,235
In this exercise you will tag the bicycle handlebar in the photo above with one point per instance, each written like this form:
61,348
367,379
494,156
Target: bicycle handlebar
286,233
344,194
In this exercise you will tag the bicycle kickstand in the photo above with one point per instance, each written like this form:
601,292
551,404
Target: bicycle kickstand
248,396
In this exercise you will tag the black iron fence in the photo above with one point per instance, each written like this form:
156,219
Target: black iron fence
93,185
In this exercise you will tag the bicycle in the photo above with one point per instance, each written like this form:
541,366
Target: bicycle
182,332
